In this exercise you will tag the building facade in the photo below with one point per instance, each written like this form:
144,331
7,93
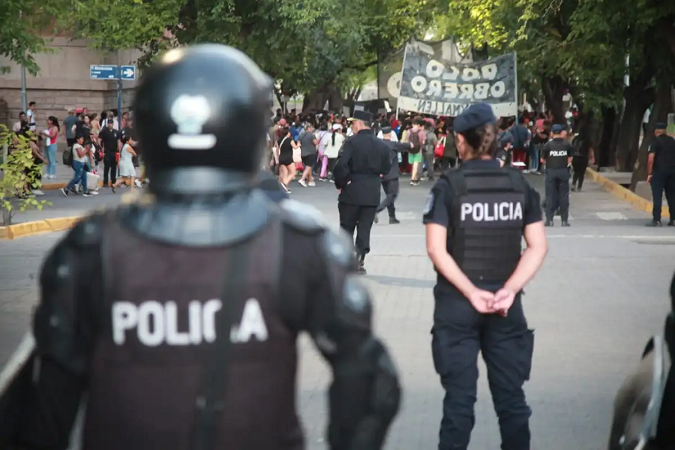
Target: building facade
63,82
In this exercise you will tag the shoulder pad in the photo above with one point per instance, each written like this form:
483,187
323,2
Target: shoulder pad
338,248
88,231
302,217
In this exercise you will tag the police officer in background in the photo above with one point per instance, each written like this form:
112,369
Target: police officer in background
364,159
557,154
390,184
661,174
475,220
169,314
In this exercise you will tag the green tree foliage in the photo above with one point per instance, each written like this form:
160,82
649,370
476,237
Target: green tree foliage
307,44
22,24
14,165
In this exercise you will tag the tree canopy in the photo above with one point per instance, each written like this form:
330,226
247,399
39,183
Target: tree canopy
325,46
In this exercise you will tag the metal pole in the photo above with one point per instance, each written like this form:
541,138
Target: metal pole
378,74
119,99
119,92
24,101
515,78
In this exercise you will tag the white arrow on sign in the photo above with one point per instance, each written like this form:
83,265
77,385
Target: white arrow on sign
128,72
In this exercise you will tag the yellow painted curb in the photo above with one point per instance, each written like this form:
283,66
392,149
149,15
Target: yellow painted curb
39,226
638,202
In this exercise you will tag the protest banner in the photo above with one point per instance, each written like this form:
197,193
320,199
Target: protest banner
389,68
441,88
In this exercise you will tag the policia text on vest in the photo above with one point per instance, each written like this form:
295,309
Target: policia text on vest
484,208
557,154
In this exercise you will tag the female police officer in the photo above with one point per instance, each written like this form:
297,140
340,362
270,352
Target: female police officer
475,219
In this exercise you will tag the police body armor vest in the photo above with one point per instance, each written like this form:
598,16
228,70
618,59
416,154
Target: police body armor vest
488,222
157,328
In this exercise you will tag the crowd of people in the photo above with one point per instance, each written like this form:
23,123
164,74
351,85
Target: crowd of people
309,144
95,143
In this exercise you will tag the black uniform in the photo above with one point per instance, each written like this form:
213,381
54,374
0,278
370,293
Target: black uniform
390,180
663,175
109,138
485,208
644,408
557,153
169,314
582,148
357,173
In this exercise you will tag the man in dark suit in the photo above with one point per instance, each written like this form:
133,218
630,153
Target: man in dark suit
364,159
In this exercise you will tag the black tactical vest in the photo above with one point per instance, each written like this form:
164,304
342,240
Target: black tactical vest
487,219
157,329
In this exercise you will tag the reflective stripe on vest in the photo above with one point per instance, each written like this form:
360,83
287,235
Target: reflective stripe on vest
487,222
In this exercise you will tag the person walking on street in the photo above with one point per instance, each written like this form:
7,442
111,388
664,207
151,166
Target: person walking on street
390,183
583,156
110,138
417,137
364,159
308,152
449,159
557,154
476,218
52,133
80,156
661,174
430,142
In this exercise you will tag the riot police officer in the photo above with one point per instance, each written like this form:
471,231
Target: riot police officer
475,220
644,408
168,313
557,153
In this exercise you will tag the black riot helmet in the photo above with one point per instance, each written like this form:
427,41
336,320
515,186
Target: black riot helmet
201,115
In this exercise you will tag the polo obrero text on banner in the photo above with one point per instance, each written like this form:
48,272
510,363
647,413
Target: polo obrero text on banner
441,88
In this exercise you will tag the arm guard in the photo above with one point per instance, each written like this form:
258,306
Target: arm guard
61,327
365,393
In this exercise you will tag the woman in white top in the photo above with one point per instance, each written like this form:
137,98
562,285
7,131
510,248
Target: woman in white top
331,150
126,165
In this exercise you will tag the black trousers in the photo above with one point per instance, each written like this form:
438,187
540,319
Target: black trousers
447,162
429,160
579,165
360,218
557,193
109,167
663,180
506,344
391,189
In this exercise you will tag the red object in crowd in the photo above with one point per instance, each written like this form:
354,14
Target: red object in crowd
394,123
519,155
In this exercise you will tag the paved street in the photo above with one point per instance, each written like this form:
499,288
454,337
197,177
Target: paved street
600,295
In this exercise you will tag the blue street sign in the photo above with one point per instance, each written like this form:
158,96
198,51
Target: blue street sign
128,72
103,72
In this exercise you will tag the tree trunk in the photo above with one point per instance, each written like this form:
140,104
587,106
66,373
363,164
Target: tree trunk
663,106
604,154
335,100
637,98
314,100
553,89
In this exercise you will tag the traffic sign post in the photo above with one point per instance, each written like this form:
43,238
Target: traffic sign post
113,72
